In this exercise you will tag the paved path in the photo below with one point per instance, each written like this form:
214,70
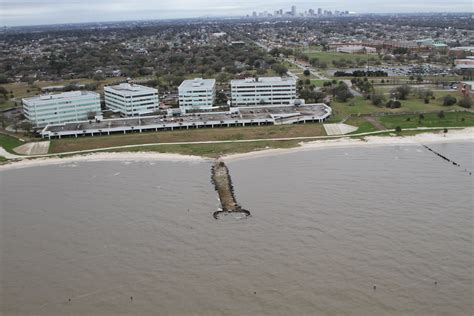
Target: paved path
6,154
34,148
354,92
304,67
339,129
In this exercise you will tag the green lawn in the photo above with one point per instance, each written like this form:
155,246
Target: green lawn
363,125
214,150
451,119
413,104
319,83
9,142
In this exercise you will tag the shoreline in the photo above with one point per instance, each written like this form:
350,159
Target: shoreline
464,135
99,157
454,136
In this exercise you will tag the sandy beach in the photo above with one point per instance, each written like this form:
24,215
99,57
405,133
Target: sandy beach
123,156
461,135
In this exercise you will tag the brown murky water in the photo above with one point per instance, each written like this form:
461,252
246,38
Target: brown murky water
326,226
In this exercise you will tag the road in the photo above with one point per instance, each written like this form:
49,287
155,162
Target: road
354,92
306,67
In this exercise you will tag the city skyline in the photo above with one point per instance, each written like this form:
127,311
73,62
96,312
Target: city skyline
34,12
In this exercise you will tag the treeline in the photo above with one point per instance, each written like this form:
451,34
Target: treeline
361,73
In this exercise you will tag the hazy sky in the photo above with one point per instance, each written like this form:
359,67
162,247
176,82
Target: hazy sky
31,12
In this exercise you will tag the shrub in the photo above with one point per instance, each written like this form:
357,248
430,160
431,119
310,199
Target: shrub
393,104
449,100
306,72
421,116
441,114
398,129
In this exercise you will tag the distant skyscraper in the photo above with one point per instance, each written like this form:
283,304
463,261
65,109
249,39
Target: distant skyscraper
254,14
320,11
293,10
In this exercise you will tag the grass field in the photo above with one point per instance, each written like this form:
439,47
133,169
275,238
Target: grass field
9,142
413,104
431,120
242,133
214,150
363,125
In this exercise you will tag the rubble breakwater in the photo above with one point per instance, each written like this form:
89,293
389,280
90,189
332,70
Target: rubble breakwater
223,185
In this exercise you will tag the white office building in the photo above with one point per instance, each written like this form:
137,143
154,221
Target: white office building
131,99
61,108
263,91
197,94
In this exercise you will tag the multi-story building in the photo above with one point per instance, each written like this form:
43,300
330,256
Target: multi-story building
197,94
263,91
131,99
61,108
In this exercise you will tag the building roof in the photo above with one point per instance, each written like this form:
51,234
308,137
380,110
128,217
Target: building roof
462,48
265,80
198,83
59,96
130,89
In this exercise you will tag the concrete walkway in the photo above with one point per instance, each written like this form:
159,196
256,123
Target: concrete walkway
339,129
6,154
35,148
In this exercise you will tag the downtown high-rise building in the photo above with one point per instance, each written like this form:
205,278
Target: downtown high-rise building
293,10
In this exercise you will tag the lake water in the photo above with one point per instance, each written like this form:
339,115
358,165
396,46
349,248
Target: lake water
108,238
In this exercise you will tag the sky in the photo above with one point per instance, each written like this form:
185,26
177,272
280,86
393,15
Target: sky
35,12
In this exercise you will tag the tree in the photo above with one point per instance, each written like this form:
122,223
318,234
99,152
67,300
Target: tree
342,93
449,100
398,129
424,93
465,102
401,92
377,99
306,72
3,79
441,114
26,126
280,69
393,104
3,120
221,97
